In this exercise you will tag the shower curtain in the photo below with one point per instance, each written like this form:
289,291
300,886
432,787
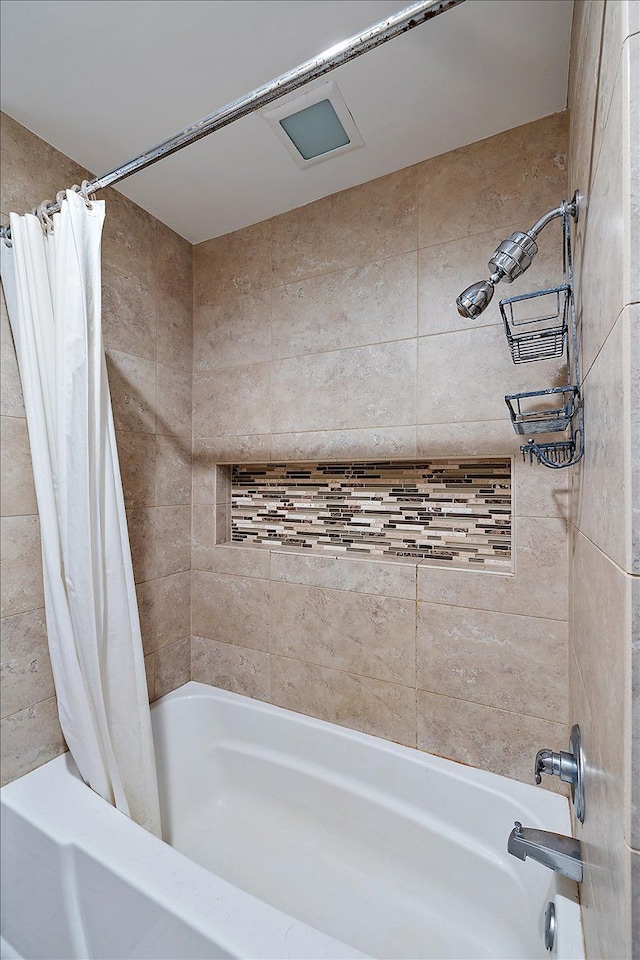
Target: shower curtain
51,276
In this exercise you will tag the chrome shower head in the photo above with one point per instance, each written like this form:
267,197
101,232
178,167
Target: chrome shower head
510,260
475,299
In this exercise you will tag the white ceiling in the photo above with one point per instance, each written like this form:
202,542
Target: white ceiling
104,80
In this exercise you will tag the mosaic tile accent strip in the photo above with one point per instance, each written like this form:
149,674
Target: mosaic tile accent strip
449,512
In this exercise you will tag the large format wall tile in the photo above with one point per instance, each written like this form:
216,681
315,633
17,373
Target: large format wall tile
239,262
371,706
384,443
537,588
30,737
357,633
232,667
496,659
384,579
361,305
26,667
482,736
366,223
17,491
513,177
232,402
233,332
231,609
361,387
22,586
175,299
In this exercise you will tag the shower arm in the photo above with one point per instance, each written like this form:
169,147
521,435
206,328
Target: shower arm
343,52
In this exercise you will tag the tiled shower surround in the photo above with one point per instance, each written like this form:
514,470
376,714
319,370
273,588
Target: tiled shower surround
447,512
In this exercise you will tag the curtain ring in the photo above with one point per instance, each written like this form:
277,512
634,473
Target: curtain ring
84,190
44,217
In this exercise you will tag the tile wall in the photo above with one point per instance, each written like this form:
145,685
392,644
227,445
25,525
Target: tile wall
147,310
604,665
331,333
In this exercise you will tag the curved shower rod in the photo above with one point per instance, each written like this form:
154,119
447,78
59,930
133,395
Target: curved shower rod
341,53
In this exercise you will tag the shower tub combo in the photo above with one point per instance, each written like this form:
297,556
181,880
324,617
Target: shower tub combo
285,837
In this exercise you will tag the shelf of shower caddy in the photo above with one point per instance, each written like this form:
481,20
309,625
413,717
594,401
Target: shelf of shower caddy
557,453
536,323
543,411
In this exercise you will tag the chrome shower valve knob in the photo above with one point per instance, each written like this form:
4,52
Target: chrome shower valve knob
569,767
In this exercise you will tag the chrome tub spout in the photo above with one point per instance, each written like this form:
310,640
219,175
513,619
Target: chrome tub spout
559,853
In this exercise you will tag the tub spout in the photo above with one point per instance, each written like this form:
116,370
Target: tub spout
559,853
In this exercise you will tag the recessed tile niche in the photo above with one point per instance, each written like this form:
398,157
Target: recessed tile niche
450,512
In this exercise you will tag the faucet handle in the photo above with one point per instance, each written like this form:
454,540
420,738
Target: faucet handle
543,764
569,767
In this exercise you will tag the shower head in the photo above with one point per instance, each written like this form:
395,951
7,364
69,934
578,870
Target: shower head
510,260
475,299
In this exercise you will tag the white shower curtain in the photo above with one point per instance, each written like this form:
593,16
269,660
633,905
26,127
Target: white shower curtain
52,286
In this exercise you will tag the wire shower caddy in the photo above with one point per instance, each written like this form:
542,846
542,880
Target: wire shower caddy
539,326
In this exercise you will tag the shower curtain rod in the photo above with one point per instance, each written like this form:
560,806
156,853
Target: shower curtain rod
341,53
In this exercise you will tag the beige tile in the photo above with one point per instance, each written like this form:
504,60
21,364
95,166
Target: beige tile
211,482
537,589
237,262
32,170
446,269
223,485
26,667
604,507
175,299
231,609
538,491
226,402
239,669
11,403
222,515
145,597
584,69
150,673
203,535
376,707
357,633
173,401
632,813
17,492
172,667
141,540
129,238
601,641
385,579
505,743
384,443
512,177
132,383
30,738
361,305
631,79
137,458
474,438
345,389
172,609
474,385
600,287
232,559
128,311
208,451
232,332
172,539
496,659
22,587
369,222
173,470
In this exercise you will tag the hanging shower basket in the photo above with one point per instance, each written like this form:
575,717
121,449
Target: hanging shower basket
543,411
536,323
539,326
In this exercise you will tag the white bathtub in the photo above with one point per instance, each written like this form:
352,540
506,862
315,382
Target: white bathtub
290,837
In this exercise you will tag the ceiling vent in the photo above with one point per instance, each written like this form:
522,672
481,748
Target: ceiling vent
315,126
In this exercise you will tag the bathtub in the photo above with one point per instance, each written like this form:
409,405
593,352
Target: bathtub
285,837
